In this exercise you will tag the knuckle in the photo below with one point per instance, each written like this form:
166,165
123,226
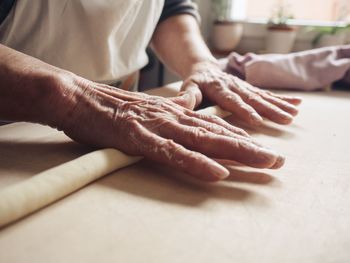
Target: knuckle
169,150
229,98
201,116
216,82
198,133
215,119
218,129
205,116
239,130
184,118
158,124
132,124
168,144
253,98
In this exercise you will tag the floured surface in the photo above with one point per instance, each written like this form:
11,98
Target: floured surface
147,213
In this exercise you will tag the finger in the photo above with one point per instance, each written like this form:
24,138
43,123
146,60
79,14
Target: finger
220,147
185,99
263,107
166,151
295,100
228,162
218,121
290,99
270,111
193,89
283,105
278,164
214,128
231,102
275,99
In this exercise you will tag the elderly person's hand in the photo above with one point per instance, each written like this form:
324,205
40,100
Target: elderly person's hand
157,128
239,97
135,123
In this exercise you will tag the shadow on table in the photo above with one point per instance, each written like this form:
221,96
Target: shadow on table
252,177
164,184
34,157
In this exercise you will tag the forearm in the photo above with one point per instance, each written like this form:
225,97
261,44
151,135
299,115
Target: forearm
28,90
178,43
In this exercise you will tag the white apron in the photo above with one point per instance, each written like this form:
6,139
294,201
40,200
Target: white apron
102,40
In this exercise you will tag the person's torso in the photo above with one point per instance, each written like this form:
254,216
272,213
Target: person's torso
102,40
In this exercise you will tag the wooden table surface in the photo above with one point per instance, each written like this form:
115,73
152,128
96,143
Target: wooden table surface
150,213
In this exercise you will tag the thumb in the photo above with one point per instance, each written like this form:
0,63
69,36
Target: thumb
185,99
189,96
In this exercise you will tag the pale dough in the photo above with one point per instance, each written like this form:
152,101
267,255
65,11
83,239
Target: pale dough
51,185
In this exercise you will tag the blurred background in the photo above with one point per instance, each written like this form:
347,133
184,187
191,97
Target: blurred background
268,26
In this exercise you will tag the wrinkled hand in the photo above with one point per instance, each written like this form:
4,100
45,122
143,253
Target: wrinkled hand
159,129
239,97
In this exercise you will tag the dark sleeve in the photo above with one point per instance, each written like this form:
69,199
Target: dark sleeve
5,8
177,7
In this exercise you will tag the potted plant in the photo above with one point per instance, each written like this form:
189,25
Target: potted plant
280,36
226,33
330,35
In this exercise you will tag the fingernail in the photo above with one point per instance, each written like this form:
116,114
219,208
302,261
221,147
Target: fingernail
288,118
296,100
279,159
279,162
272,158
219,171
294,110
256,118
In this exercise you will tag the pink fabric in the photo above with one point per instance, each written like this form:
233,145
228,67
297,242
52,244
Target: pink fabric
307,70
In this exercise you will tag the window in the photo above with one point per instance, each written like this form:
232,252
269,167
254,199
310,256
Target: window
317,10
322,10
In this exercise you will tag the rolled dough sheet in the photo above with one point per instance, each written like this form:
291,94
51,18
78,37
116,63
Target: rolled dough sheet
47,187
